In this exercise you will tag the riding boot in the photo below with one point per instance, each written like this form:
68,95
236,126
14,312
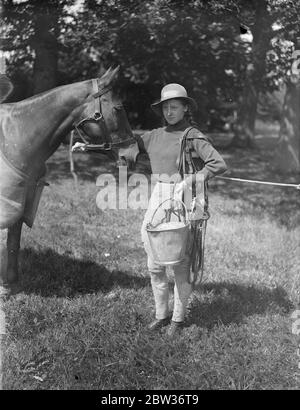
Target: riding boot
174,328
159,323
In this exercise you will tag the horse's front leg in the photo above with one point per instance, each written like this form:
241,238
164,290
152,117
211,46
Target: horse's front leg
3,256
13,246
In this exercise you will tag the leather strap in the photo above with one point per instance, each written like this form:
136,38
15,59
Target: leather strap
96,91
182,166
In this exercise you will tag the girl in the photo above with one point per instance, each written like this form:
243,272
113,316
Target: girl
163,146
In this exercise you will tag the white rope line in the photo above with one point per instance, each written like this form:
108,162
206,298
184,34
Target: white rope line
72,168
297,186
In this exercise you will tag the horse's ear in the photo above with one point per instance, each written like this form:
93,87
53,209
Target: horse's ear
6,87
108,71
110,75
115,71
114,74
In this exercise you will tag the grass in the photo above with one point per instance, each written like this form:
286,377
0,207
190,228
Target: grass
78,318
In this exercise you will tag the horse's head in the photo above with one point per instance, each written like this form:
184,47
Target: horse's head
103,121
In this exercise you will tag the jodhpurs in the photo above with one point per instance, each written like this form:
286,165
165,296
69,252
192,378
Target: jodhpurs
159,280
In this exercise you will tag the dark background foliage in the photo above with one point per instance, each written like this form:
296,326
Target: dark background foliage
233,56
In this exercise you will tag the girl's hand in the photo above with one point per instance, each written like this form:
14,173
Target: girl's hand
79,146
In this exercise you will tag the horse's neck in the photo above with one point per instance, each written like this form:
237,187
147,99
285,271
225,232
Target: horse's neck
34,128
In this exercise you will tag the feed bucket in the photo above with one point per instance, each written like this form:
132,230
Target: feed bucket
168,240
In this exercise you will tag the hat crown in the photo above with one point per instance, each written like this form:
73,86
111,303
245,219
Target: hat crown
173,91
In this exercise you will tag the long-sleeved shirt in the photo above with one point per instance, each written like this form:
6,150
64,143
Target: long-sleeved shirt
163,147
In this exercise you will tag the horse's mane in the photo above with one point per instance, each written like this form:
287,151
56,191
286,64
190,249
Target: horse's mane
37,98
6,87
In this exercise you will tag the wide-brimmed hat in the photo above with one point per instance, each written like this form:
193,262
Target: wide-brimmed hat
171,91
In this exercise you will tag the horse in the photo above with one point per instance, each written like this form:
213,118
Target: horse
32,130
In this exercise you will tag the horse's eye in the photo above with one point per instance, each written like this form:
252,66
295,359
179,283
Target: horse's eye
118,107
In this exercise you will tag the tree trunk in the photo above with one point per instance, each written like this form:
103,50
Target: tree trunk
288,149
246,115
45,45
244,129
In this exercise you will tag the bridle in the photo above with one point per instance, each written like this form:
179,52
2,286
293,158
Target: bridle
99,118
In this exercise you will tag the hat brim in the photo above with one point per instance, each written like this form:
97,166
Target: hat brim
157,107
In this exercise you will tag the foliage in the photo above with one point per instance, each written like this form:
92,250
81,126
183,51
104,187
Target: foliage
22,24
150,41
194,42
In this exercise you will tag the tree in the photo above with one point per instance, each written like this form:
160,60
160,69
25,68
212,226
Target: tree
254,75
33,27
45,44
287,155
164,41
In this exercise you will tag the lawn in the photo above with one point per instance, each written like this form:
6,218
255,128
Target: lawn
78,318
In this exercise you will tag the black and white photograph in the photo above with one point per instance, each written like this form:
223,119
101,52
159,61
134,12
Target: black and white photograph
149,198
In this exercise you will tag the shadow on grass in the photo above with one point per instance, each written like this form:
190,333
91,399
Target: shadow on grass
48,273
226,303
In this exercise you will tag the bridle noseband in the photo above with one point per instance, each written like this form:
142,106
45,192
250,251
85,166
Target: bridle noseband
98,118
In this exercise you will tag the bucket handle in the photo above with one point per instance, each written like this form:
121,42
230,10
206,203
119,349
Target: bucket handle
172,200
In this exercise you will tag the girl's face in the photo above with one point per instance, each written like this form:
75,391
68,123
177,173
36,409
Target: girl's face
174,110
